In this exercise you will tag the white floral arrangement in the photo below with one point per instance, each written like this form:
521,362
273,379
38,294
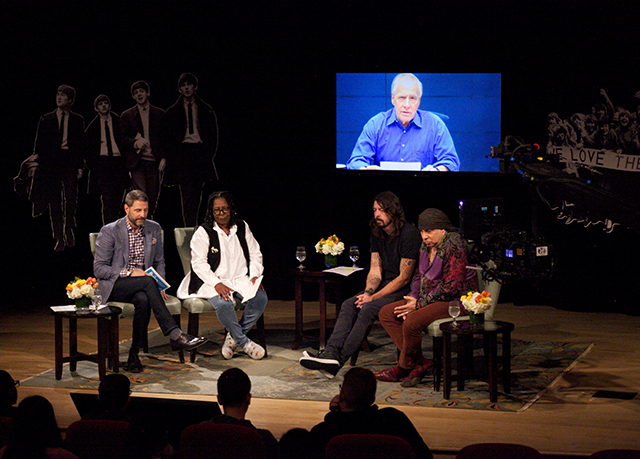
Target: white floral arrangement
477,302
330,246
81,287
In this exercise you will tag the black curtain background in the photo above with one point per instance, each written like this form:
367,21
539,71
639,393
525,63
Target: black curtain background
268,69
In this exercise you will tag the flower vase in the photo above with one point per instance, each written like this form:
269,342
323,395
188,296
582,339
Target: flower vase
476,319
83,303
330,261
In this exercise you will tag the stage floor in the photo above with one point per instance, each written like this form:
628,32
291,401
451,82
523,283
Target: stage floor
568,420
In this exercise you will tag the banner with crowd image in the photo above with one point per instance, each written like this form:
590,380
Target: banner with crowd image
607,159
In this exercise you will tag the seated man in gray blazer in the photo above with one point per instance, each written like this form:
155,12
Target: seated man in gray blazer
124,250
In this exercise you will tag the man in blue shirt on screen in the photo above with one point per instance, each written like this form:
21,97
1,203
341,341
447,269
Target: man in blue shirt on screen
405,134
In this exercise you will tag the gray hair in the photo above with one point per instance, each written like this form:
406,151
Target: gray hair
135,195
406,76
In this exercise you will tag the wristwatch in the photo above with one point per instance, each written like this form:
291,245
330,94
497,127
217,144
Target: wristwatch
369,291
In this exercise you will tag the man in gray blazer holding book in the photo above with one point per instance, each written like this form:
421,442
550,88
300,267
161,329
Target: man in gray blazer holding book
125,249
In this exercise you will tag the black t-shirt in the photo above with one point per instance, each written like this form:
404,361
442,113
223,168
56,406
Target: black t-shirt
391,250
387,421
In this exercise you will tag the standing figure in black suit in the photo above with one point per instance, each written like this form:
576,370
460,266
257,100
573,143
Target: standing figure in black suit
142,143
103,149
191,130
57,150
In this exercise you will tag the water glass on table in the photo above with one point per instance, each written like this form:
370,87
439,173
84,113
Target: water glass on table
301,255
354,255
96,300
454,311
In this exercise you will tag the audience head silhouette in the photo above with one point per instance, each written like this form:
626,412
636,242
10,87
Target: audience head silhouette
358,389
114,391
8,390
234,388
35,429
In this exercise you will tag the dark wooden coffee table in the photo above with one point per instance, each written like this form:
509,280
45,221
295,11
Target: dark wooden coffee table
465,332
322,278
108,336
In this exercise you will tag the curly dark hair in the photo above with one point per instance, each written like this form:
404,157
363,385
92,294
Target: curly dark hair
390,203
208,217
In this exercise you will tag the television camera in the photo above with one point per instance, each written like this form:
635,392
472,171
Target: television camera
516,255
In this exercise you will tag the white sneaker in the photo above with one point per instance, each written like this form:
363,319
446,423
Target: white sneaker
228,347
326,374
253,350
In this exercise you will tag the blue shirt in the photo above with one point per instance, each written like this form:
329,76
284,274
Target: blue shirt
426,140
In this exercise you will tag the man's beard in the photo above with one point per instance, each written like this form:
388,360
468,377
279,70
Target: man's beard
138,222
382,224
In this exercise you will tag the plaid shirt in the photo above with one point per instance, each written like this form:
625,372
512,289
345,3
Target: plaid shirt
136,249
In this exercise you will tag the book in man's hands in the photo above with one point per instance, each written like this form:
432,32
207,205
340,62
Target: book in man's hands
162,284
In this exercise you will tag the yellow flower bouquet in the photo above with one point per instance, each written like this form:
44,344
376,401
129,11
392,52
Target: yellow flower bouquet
330,247
81,290
477,302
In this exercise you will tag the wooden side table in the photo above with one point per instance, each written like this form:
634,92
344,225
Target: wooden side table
321,278
108,324
464,333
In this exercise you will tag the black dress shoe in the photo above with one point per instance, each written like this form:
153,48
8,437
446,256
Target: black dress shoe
187,342
133,364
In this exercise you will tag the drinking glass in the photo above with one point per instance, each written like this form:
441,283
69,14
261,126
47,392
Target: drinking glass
454,311
96,300
301,255
354,254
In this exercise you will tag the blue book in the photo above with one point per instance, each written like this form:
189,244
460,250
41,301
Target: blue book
162,284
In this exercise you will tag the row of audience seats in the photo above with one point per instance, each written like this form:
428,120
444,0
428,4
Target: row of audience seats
100,439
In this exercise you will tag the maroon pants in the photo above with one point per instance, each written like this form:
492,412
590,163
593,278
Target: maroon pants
407,334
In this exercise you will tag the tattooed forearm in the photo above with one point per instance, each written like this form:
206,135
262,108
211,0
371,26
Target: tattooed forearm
373,281
406,268
376,261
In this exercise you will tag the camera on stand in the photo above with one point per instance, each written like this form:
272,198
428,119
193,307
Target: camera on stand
516,254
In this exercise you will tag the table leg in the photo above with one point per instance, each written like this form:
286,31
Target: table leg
492,364
506,361
323,314
446,357
114,343
103,346
57,319
462,343
73,343
298,338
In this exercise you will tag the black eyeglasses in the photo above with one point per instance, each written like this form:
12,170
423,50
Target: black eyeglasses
16,383
222,210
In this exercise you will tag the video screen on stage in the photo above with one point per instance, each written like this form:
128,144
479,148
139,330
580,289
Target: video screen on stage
443,121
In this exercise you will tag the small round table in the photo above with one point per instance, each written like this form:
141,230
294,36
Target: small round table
464,333
108,336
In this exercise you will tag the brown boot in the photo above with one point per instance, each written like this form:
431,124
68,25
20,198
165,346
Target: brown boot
416,375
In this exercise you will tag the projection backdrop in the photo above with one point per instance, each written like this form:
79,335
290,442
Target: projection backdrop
268,69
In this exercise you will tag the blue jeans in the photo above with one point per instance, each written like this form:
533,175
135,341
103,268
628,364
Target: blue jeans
352,324
226,312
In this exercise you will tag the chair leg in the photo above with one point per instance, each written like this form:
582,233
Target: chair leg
193,329
437,361
176,318
364,346
354,358
145,342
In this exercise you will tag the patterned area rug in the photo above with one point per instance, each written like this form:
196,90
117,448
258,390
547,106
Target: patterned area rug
536,366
